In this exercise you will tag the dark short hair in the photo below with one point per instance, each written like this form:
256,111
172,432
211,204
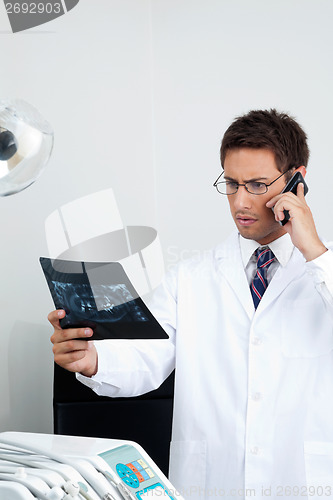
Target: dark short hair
268,129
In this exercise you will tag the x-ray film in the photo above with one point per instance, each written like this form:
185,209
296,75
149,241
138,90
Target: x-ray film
99,296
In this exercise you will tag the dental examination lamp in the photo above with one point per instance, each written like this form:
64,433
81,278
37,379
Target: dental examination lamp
26,142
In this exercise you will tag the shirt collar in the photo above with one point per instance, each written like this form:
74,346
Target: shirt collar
281,247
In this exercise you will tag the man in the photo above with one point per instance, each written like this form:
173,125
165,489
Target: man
252,347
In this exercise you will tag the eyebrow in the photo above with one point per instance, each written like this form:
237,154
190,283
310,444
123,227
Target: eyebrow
255,179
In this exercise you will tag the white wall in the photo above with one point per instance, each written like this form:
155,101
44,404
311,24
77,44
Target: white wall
89,74
139,93
214,60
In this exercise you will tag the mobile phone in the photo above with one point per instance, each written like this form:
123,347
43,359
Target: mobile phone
292,187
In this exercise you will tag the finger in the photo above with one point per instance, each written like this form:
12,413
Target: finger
76,360
282,205
271,202
64,335
282,196
67,359
70,346
279,214
289,202
55,316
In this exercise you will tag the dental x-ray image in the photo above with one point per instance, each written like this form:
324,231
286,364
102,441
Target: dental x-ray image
99,296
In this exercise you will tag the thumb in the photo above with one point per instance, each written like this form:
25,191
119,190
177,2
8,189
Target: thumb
300,190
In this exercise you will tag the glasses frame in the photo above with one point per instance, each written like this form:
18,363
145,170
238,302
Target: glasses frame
255,194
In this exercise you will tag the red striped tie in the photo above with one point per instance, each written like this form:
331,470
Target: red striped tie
265,257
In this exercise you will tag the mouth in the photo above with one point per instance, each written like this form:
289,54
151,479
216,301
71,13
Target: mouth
245,220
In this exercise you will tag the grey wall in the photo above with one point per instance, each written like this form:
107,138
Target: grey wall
139,93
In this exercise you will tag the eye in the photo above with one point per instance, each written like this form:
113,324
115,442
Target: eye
232,184
256,187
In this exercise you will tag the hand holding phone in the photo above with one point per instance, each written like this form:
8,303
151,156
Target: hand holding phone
291,186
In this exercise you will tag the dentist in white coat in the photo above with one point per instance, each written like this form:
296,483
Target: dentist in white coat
253,408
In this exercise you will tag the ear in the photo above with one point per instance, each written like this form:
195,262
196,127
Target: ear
301,169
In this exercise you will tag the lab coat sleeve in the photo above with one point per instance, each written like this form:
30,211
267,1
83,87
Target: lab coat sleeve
133,367
321,271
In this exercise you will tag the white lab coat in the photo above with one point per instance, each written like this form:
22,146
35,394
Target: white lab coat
253,408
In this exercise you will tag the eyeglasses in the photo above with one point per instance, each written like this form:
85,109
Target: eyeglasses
252,187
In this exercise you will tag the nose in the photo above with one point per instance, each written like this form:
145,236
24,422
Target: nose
242,199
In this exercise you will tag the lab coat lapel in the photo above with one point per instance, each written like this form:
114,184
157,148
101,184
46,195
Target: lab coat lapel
282,278
229,262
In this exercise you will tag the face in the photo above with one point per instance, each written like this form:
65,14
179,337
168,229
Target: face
253,219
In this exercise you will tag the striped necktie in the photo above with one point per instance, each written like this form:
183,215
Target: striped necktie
265,257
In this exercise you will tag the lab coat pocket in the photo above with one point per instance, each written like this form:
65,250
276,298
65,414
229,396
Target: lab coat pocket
319,469
306,330
188,467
